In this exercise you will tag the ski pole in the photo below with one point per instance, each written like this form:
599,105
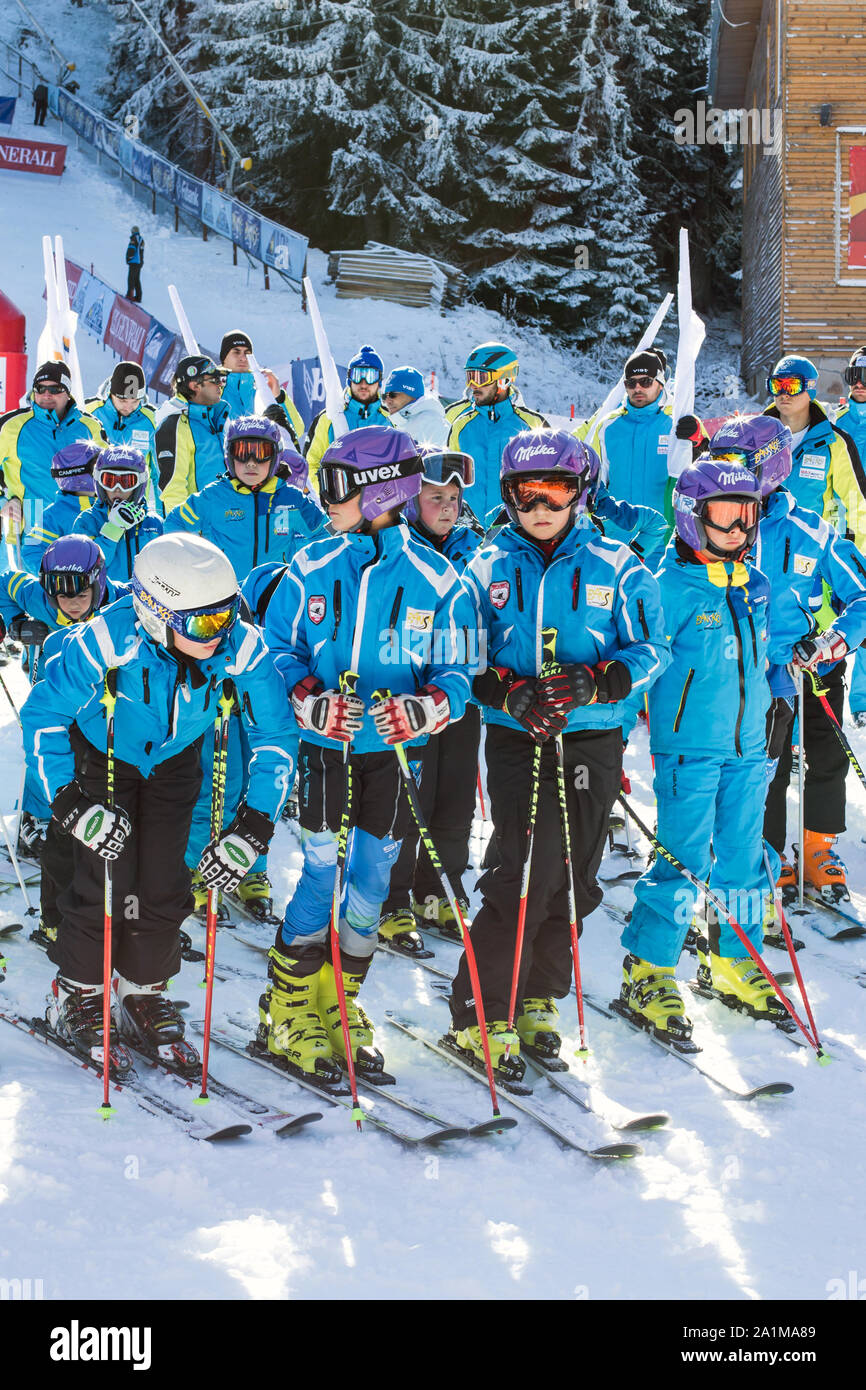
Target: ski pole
109,699
348,685
217,801
722,911
821,694
786,932
472,965
801,787
34,652
480,792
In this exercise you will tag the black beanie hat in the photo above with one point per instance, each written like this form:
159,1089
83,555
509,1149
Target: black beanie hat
127,380
234,338
53,374
651,362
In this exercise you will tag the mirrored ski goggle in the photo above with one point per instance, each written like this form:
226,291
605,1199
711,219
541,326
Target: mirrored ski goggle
369,374
65,583
126,481
786,385
525,494
208,623
479,377
449,468
729,514
738,456
855,376
336,484
252,450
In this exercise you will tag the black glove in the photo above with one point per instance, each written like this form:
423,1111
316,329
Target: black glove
780,719
227,860
492,686
567,687
612,681
689,427
29,631
278,416
523,702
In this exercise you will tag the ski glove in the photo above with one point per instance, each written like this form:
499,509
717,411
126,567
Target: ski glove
227,860
612,681
103,831
493,685
689,427
567,687
327,712
30,632
403,717
519,697
829,646
121,517
277,415
780,718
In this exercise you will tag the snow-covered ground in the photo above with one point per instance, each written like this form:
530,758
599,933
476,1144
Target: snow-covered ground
731,1201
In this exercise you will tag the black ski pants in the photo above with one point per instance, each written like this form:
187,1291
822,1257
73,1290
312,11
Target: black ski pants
593,764
448,773
133,283
826,768
151,883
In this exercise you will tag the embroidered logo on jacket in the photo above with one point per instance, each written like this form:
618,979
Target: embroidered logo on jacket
499,592
419,619
599,596
709,620
316,607
804,564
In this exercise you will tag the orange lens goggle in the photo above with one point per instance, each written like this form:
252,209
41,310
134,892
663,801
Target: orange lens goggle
252,450
126,481
727,516
479,377
525,494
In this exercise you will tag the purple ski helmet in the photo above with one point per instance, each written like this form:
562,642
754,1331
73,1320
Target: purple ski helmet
72,467
760,443
119,465
705,481
381,463
443,466
293,467
252,436
545,453
69,566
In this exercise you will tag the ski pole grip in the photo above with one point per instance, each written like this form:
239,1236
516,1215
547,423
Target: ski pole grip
110,684
349,682
548,645
379,695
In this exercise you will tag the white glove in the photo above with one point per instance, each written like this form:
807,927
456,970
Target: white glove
327,712
123,515
829,646
228,860
399,718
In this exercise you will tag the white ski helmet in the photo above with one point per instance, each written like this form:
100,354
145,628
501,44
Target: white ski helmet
185,584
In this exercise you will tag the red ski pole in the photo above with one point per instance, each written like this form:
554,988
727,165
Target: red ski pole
348,683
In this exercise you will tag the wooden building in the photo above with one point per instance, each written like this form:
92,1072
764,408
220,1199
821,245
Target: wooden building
795,71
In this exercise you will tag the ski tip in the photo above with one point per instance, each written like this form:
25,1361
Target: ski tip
227,1132
497,1125
772,1088
644,1122
298,1122
616,1151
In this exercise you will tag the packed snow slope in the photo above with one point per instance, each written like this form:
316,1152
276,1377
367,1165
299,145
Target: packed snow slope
732,1200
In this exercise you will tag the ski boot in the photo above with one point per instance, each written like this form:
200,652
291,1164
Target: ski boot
537,1023
369,1061
436,912
398,929
290,1027
255,897
44,935
152,1024
74,1014
650,996
466,1043
738,982
200,894
773,934
824,870
31,837
787,883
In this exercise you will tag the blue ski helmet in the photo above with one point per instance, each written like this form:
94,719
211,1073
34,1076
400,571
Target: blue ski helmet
545,453
705,481
489,362
796,366
406,379
760,443
366,365
443,466
117,465
69,566
377,461
252,436
72,467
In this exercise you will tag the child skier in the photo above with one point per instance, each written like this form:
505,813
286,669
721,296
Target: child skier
817,615
119,519
374,601
549,568
449,761
708,730
172,643
72,470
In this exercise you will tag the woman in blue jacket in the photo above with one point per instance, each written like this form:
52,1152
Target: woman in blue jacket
708,716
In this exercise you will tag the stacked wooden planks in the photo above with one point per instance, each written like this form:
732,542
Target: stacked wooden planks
385,272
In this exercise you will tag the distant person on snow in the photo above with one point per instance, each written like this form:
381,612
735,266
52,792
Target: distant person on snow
423,416
40,103
134,261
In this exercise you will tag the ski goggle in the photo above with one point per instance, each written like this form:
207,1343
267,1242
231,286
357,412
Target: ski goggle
737,456
645,381
66,583
337,484
525,494
728,514
207,623
252,450
479,377
110,480
449,468
855,375
369,374
786,385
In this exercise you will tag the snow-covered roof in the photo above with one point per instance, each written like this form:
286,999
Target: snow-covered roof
732,44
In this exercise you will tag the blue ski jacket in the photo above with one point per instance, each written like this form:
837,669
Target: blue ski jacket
29,439
603,602
162,705
713,697
800,554
119,554
632,443
250,527
384,606
189,448
58,519
827,472
21,594
642,528
458,546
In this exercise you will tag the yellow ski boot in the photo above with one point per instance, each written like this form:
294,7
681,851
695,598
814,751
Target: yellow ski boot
466,1043
398,929
369,1061
290,1027
650,996
537,1024
737,982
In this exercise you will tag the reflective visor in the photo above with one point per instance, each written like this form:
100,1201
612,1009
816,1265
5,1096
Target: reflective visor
738,456
477,377
257,450
368,374
336,484
725,514
449,468
525,494
126,481
787,385
65,583
208,623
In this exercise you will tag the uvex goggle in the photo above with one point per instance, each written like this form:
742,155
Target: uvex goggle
786,385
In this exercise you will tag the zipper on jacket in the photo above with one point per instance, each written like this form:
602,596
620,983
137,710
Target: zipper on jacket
787,555
255,497
642,616
145,684
395,610
518,582
246,706
338,610
683,697
575,589
741,670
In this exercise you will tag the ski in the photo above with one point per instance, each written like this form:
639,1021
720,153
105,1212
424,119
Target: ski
563,1079
269,919
11,928
147,1099
428,965
853,929
520,1101
612,1011
248,1048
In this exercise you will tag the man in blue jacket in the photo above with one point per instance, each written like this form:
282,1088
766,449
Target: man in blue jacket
851,418
134,262
32,435
127,418
189,431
